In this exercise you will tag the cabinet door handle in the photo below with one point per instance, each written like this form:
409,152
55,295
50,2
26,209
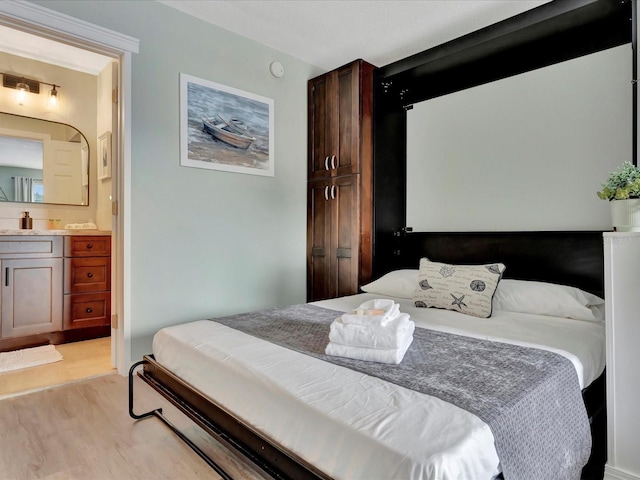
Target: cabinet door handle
89,309
333,162
326,163
89,246
326,193
90,275
6,277
333,192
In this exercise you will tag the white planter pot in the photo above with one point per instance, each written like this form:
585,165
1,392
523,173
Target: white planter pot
625,215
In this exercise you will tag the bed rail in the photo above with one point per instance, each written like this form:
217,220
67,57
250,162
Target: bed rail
158,414
265,453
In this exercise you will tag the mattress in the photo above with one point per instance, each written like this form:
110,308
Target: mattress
354,426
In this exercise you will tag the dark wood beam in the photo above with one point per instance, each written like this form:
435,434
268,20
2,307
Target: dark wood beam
552,33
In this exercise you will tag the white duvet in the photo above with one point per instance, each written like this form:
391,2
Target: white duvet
353,426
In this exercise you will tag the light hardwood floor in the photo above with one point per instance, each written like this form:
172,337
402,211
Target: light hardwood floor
83,431
81,360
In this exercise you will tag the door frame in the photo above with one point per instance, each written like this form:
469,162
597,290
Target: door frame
64,28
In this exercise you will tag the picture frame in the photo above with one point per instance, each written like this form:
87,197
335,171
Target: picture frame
104,156
226,129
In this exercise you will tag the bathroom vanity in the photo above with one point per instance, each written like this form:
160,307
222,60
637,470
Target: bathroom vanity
55,286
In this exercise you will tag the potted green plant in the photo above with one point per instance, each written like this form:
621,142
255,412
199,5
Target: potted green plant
622,188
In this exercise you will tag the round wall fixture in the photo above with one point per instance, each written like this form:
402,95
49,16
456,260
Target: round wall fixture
276,69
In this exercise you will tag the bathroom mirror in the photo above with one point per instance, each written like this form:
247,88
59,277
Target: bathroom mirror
42,162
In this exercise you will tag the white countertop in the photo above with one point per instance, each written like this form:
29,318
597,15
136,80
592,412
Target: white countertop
11,232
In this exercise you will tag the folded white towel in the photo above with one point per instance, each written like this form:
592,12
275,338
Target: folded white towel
392,355
393,335
378,311
80,226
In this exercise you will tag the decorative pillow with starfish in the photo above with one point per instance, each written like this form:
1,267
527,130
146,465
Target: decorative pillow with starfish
464,288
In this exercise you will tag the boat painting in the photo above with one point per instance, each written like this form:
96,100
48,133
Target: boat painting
233,132
223,128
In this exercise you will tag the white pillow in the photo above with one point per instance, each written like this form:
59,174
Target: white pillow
463,288
547,299
399,283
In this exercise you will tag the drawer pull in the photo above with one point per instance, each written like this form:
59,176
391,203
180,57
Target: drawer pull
90,275
89,246
6,277
89,309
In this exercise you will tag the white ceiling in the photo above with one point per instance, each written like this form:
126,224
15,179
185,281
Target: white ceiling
330,33
325,33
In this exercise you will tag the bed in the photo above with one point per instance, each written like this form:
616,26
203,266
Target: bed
297,415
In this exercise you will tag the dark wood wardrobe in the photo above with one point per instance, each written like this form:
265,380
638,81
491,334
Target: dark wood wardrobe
340,181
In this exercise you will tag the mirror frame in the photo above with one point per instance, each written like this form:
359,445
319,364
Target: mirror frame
86,141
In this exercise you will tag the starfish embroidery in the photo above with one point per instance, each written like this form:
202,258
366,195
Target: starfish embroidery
458,301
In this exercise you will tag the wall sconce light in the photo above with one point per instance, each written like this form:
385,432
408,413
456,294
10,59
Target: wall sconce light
22,89
53,96
24,86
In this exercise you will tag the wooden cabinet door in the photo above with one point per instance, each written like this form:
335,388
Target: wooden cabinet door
332,238
319,218
345,235
31,296
346,121
320,126
335,117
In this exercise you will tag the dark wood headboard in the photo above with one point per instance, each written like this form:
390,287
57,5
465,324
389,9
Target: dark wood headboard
570,258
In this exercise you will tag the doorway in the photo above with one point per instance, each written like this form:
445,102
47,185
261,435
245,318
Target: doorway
66,30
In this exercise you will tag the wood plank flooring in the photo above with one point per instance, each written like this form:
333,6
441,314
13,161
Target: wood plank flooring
81,360
83,431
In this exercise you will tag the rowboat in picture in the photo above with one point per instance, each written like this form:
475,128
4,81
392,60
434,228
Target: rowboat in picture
232,132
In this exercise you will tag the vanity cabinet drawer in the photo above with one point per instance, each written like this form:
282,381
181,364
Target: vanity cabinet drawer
87,281
87,310
87,246
84,275
35,246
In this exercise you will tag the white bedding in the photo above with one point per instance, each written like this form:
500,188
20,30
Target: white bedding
353,426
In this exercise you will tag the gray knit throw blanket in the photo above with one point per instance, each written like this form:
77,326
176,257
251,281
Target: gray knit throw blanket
530,398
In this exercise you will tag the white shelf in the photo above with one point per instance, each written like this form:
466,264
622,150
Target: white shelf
622,292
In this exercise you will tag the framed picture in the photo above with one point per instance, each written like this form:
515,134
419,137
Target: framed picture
223,128
104,156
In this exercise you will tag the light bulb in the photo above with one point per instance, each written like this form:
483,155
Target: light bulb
21,92
53,97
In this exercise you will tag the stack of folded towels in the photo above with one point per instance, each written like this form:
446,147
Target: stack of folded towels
376,331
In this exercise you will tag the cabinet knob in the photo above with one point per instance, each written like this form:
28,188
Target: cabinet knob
89,309
90,275
333,162
89,246
326,163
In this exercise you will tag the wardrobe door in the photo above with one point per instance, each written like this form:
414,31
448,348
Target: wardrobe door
321,126
319,218
345,234
346,138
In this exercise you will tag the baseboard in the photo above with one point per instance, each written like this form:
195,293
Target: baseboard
611,473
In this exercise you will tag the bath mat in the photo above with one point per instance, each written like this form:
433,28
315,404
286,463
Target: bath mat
28,357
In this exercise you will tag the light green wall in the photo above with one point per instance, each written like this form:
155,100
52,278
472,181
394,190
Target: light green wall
206,243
